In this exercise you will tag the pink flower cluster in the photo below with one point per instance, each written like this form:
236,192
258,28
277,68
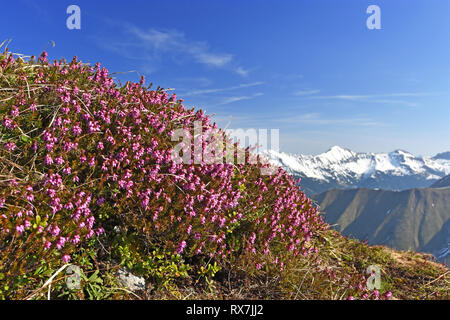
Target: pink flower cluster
103,147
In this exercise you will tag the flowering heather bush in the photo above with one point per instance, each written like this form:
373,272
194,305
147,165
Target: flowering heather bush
83,158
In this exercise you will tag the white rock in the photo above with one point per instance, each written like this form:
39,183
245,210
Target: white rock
130,281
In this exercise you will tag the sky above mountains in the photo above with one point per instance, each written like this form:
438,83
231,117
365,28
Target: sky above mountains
310,68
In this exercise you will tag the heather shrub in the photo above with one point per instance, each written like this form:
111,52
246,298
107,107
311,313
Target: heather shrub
87,173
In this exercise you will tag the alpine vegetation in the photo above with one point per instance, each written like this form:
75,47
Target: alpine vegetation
88,177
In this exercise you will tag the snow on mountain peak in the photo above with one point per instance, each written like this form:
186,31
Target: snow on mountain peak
338,149
345,167
401,153
337,153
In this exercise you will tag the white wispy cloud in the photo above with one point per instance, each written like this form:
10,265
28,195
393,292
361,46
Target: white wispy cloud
288,77
157,45
171,41
305,92
216,90
370,96
318,119
198,81
241,71
240,98
388,98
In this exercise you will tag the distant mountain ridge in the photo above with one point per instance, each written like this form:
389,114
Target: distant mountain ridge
443,156
442,183
346,169
416,219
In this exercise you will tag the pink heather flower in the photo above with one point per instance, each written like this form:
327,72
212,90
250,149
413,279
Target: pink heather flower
252,238
90,234
14,111
350,298
8,123
181,247
33,107
76,239
59,161
20,229
55,231
61,242
51,193
66,258
111,140
388,295
48,160
76,130
10,146
43,57
68,205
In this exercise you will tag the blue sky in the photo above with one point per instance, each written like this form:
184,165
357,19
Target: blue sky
308,67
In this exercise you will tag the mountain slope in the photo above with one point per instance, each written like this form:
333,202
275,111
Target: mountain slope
343,168
442,183
417,219
442,156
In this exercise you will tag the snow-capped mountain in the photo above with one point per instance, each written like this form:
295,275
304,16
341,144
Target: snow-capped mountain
343,168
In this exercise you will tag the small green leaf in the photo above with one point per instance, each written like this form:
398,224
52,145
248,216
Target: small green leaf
25,138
